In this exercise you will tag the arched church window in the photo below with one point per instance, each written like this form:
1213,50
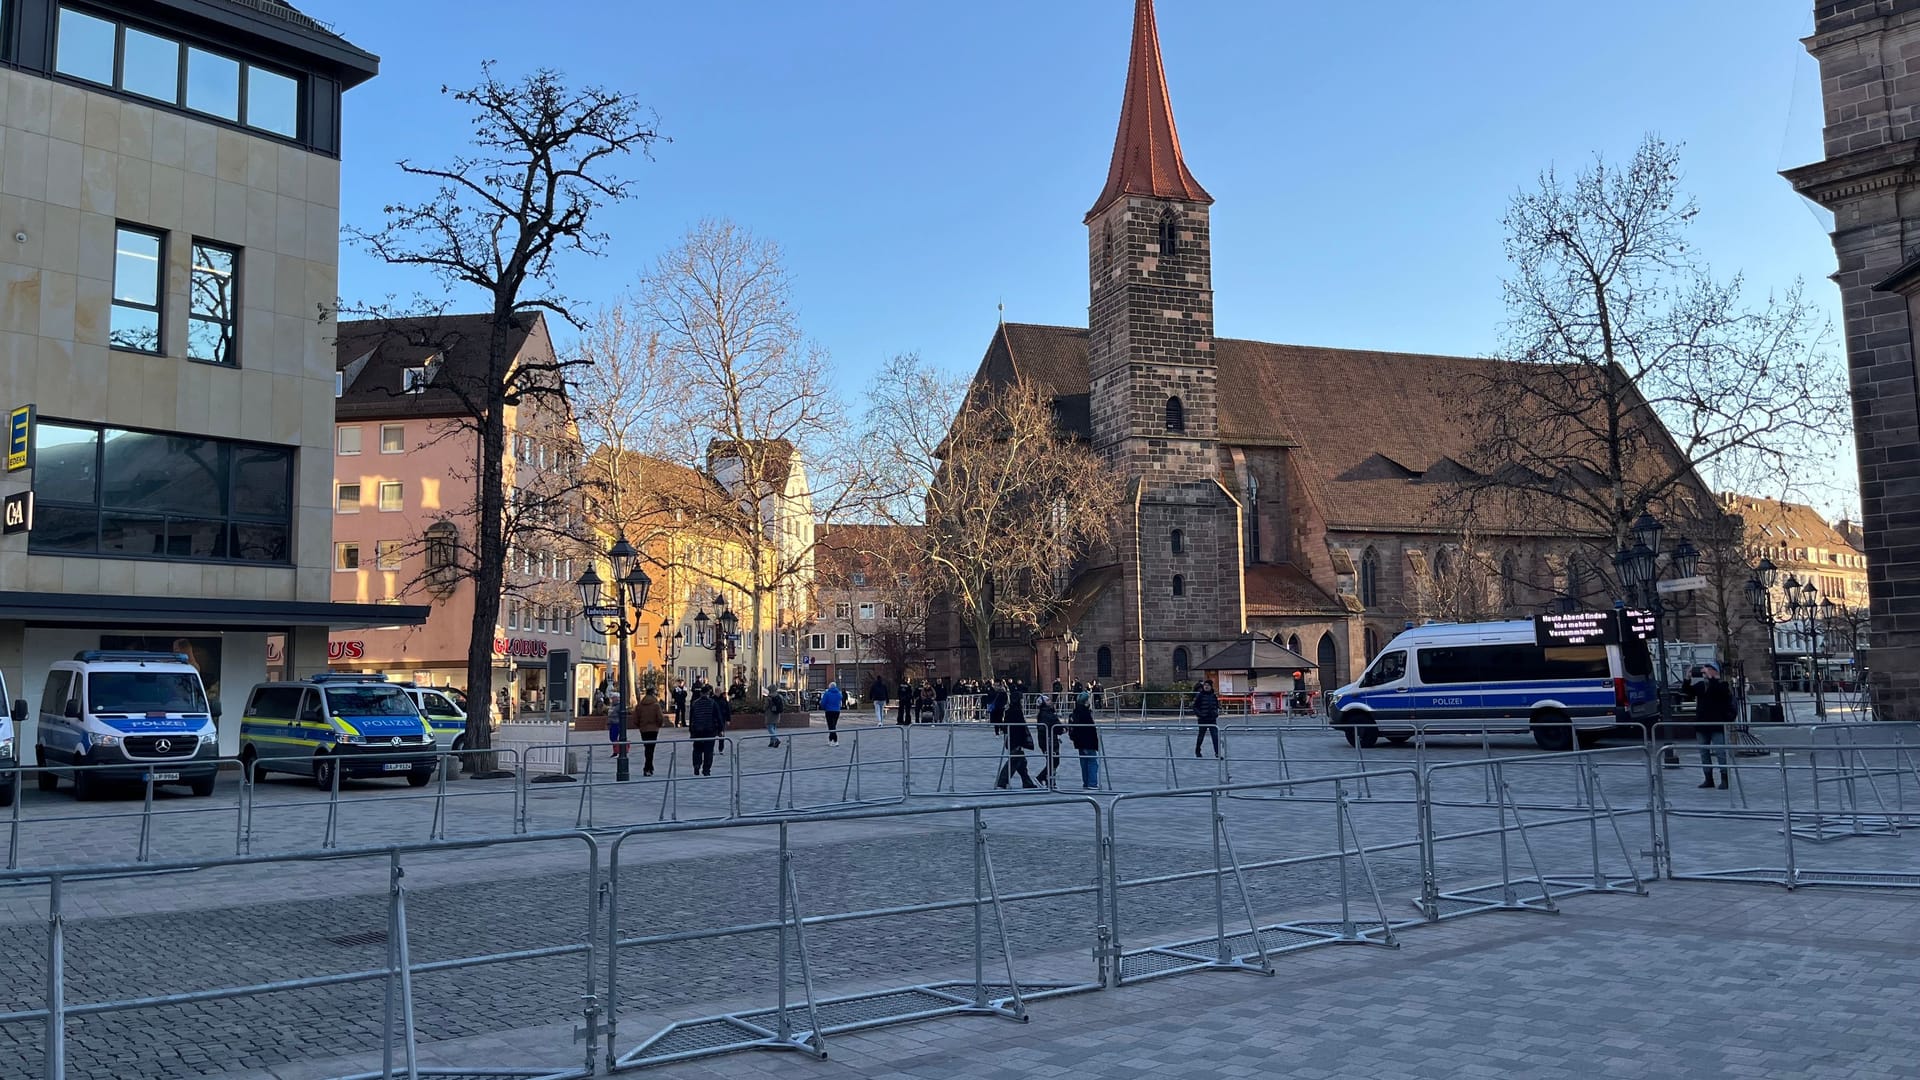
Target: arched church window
1106,248
1103,662
1179,542
1370,578
1443,564
1293,644
1180,660
1176,415
1169,234
1179,585
1327,658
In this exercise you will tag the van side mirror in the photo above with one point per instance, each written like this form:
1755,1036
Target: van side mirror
19,711
73,710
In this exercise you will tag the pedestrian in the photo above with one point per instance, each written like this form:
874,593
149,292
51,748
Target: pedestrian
877,693
1047,721
1018,739
906,699
706,719
1086,739
774,705
831,702
1059,694
1712,712
647,717
726,716
680,703
927,703
1099,696
941,691
1206,712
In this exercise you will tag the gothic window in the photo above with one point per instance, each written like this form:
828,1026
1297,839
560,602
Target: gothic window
1328,661
1442,564
1179,542
1176,415
1509,581
1106,248
1180,661
1179,585
1253,519
1293,644
1169,234
1103,662
1372,639
1370,578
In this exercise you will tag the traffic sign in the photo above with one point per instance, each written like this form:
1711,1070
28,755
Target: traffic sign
1685,584
602,611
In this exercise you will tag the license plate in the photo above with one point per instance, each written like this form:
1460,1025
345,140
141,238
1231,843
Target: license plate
396,766
160,776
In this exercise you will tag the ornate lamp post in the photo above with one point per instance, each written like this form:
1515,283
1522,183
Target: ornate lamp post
1760,597
729,633
630,588
1071,643
1806,609
1639,570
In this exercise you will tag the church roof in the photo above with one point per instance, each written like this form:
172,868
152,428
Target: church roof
1146,149
1283,589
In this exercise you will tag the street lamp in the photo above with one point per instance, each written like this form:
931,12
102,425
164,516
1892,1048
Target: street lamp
1638,568
1760,598
1806,608
729,632
1071,643
630,588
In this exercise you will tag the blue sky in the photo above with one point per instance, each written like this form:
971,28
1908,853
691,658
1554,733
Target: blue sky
922,163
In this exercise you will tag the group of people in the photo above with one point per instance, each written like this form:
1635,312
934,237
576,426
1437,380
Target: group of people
924,701
1006,710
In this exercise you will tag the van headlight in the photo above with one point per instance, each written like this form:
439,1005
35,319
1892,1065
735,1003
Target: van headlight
104,740
208,738
6,748
350,740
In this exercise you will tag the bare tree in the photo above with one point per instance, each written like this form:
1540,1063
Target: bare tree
1010,502
543,163
1635,371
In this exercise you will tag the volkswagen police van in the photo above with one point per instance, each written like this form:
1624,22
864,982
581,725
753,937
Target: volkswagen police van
357,725
11,722
133,713
1469,678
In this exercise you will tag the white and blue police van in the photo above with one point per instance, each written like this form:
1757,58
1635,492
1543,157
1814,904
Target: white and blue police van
109,715
1496,677
11,721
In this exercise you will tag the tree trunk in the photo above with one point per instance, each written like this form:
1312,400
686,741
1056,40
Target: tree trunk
489,572
983,644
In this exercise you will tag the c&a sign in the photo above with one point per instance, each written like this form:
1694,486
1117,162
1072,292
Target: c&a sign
530,647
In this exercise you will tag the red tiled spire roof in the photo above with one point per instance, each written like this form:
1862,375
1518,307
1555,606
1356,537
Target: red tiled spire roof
1146,151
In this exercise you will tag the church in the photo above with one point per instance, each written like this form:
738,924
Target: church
1286,490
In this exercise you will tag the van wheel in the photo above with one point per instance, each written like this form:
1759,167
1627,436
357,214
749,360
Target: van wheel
1398,740
1588,739
419,777
9,789
85,784
46,778
1552,732
1359,730
455,762
202,787
250,761
323,768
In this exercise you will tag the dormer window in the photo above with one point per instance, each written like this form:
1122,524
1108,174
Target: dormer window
414,380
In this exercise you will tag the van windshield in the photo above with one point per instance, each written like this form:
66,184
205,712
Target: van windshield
145,692
370,701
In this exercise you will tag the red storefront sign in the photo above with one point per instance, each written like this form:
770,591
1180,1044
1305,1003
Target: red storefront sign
529,647
338,651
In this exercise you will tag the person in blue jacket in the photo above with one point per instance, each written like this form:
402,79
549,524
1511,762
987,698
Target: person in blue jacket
831,702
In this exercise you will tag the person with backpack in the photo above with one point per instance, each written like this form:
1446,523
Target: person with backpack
1086,739
706,719
1206,712
774,705
832,700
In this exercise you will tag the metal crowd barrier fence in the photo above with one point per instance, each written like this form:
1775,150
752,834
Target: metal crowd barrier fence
672,777
805,1025
439,797
398,1048
1241,939
828,785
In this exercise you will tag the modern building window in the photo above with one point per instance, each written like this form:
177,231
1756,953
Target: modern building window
1180,661
155,495
1179,585
843,611
866,612
139,266
213,311
393,438
346,556
391,492
390,554
1178,541
349,440
151,65
84,48
1370,578
842,642
273,102
346,498
1176,416
817,642
1103,662
513,615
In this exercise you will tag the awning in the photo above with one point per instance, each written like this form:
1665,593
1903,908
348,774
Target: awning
1255,654
202,613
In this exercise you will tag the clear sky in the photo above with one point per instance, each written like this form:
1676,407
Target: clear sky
922,163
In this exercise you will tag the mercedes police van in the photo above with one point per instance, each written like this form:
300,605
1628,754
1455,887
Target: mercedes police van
1469,678
355,725
10,724
134,713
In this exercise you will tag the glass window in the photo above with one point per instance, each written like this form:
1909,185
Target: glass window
390,495
213,84
375,700
349,440
273,102
346,498
390,555
346,556
1390,667
85,47
145,692
150,66
866,612
137,268
213,304
262,482
843,642
165,474
1180,660
816,642
67,460
393,438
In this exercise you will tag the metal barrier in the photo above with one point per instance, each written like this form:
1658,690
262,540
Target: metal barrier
805,1025
437,826
633,796
17,820
869,749
1251,942
398,1048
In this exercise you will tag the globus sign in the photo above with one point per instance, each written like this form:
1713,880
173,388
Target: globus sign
532,647
338,651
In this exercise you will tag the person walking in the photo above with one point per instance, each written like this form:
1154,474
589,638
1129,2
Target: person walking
774,705
831,702
877,693
706,719
726,718
647,718
941,691
1046,724
1019,739
1712,712
680,703
1206,713
1086,739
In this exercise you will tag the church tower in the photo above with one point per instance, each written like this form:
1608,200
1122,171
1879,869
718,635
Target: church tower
1151,375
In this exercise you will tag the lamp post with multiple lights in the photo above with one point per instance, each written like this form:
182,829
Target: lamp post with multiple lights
1639,570
1809,612
1760,596
630,588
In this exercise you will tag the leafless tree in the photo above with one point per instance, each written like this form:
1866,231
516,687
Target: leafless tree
1635,372
544,161
1009,501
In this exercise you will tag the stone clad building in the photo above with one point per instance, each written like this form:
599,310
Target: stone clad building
1288,490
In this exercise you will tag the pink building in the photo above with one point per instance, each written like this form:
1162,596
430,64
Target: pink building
404,500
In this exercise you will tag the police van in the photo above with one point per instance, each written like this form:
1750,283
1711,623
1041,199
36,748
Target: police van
349,724
10,724
448,721
133,714
1469,678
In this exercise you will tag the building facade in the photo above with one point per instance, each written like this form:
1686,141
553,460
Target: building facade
868,615
1869,54
170,191
1293,491
1807,549
405,449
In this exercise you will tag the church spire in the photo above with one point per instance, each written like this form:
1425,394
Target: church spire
1146,151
